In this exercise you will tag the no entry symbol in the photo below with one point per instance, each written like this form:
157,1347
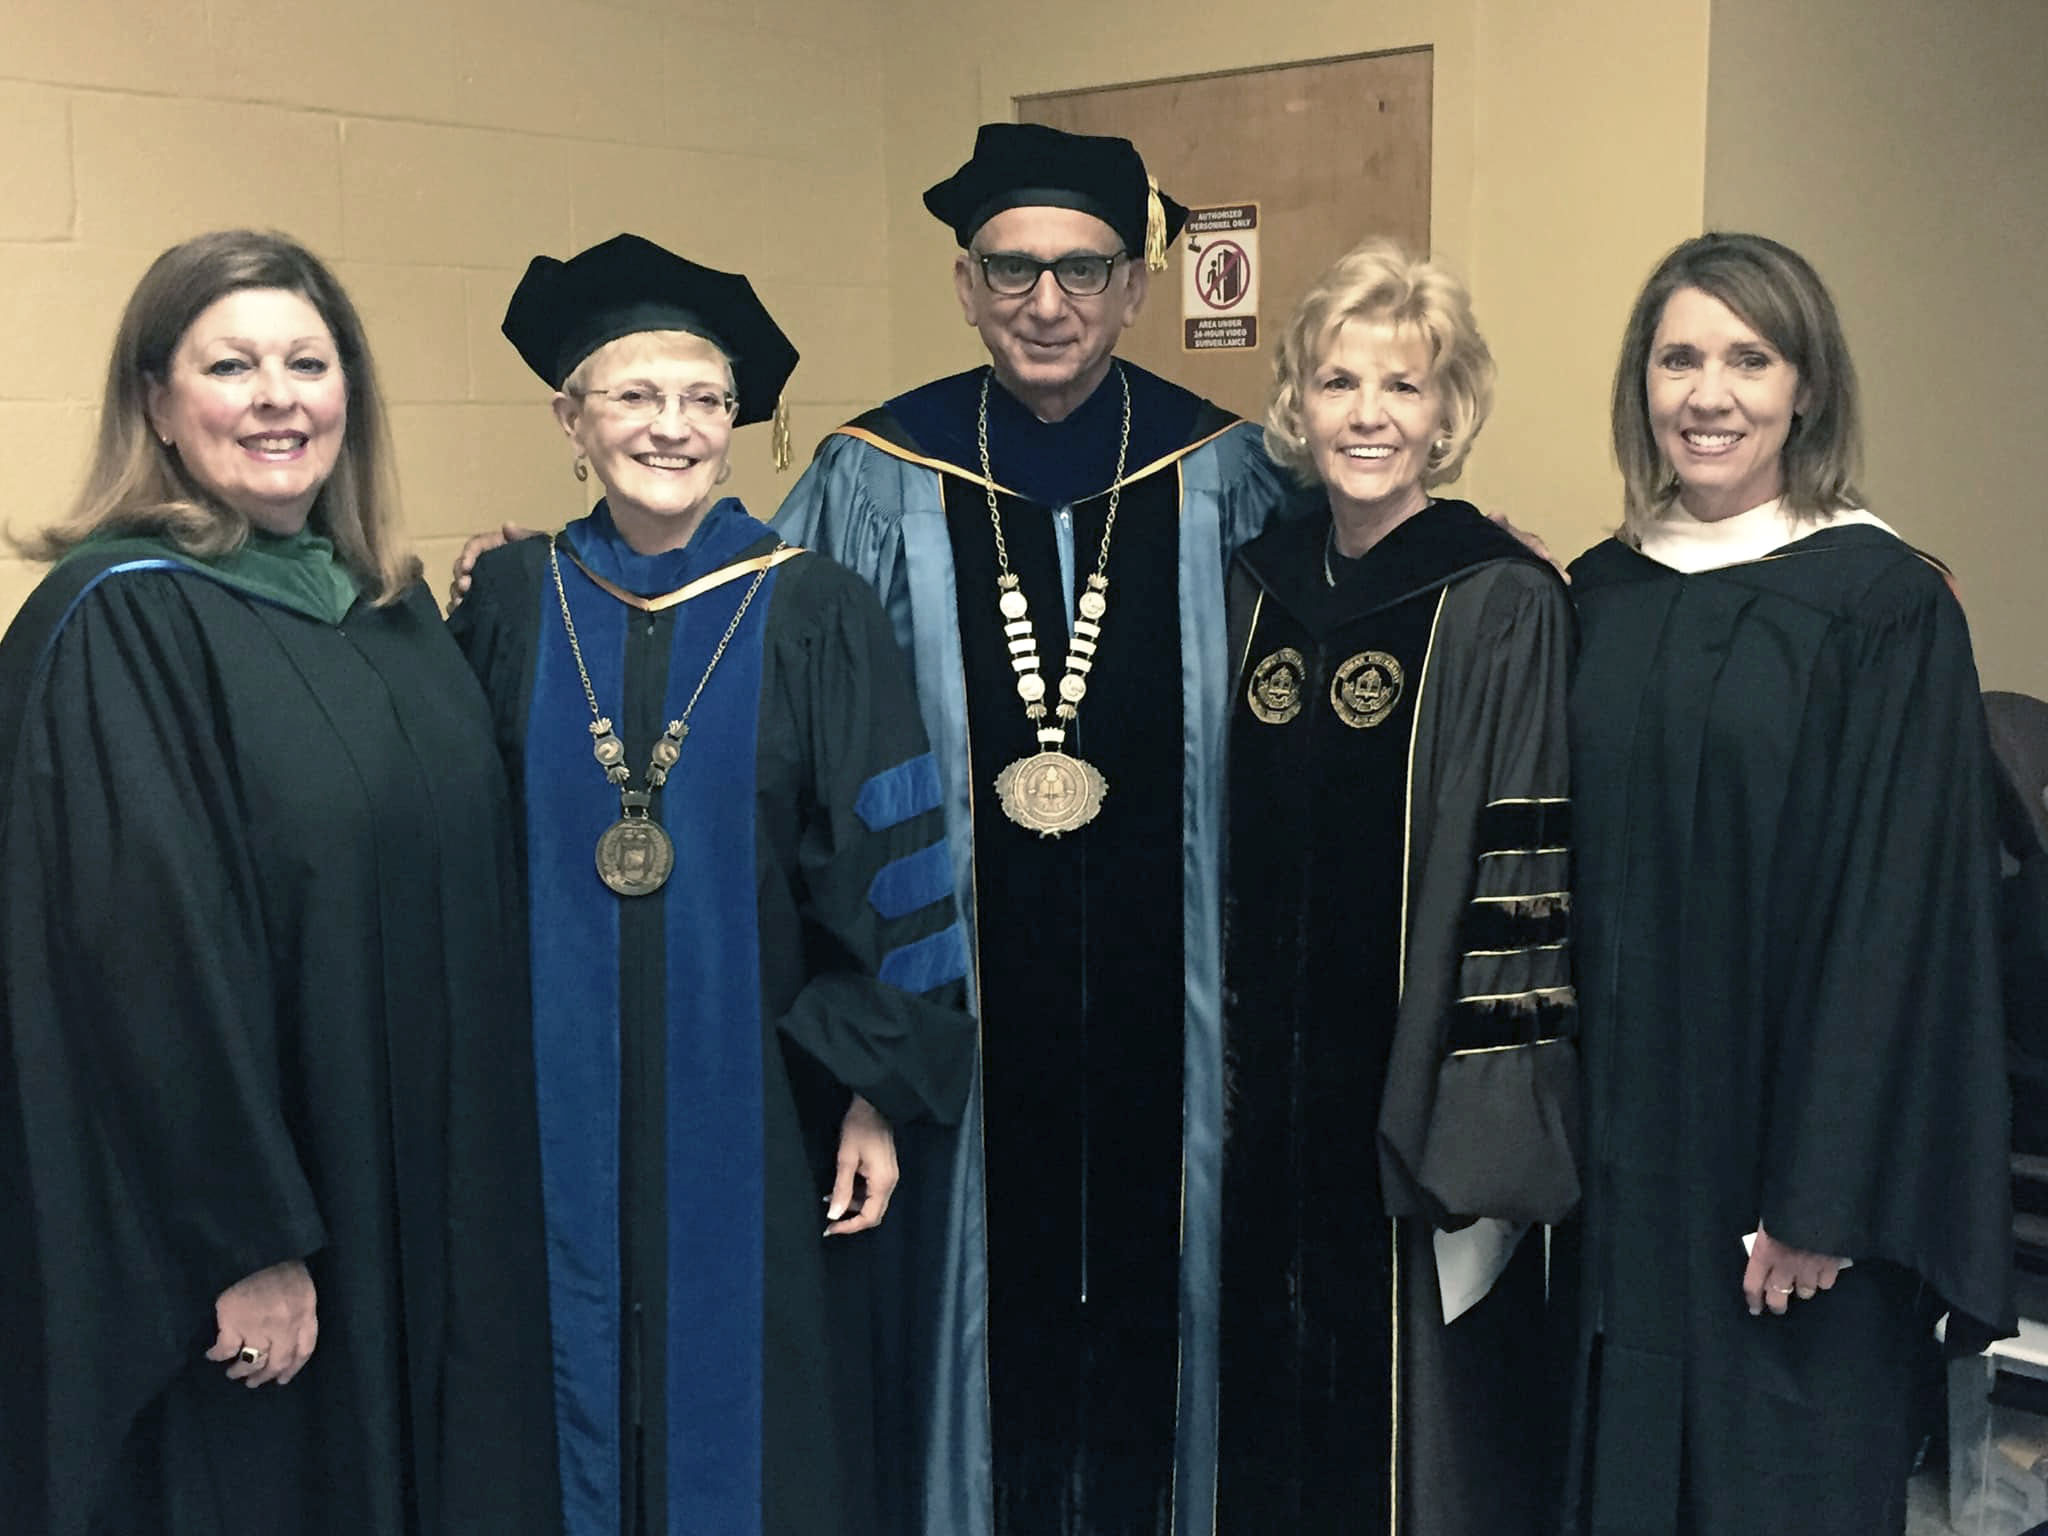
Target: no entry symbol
1226,275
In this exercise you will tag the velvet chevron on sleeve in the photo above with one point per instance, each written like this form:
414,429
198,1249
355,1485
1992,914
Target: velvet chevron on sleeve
1070,1385
1397,954
696,1047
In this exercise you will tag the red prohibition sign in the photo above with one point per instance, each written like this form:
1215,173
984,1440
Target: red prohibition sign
1226,275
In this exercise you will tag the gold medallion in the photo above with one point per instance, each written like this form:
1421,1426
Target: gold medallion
635,856
1050,793
1366,689
1275,690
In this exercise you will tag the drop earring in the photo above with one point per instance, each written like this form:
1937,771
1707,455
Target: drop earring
580,467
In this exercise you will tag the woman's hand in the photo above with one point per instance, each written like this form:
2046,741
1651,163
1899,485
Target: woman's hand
270,1312
1535,542
867,1152
479,545
1777,1273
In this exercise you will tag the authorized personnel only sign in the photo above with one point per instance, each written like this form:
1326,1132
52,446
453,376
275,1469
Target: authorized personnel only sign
1219,279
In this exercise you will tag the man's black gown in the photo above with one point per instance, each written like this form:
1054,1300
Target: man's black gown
263,1001
1072,1387
698,1046
1789,983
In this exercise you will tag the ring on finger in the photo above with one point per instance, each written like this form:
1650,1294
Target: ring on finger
250,1355
1781,1290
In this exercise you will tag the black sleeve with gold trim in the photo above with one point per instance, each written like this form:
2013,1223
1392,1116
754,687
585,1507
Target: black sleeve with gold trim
1481,1114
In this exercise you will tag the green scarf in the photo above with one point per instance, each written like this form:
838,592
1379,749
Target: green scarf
296,571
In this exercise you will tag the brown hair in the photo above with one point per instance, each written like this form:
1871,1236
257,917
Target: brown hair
1378,281
1775,290
136,485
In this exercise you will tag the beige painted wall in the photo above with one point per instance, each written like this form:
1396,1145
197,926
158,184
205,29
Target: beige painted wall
1569,151
427,148
1902,145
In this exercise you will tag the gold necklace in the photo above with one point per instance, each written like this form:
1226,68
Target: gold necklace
634,853
1050,792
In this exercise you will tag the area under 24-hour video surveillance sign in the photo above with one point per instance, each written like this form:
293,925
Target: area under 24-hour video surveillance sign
1219,279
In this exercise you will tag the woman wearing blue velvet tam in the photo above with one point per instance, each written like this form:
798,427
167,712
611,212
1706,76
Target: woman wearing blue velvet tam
745,959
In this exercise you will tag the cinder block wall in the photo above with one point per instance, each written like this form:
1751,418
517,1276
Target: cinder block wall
1928,224
1568,152
427,148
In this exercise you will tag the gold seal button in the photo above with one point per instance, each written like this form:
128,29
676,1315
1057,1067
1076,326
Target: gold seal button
1366,689
1276,686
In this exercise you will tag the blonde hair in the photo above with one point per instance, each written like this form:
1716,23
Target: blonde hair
136,485
1776,291
1378,282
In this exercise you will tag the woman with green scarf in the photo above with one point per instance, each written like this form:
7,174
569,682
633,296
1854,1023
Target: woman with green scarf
267,1146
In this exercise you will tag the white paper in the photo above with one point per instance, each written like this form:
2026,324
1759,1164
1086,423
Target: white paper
1470,1259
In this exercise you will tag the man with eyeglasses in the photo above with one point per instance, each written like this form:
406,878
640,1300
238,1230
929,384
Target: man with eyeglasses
1049,533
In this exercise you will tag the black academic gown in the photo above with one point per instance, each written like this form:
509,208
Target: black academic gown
698,1047
1397,919
262,1002
1072,1391
1789,979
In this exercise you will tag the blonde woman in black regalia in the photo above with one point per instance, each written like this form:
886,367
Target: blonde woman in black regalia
1398,1005
745,959
1788,875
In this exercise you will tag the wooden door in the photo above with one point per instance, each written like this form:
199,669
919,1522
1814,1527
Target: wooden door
1329,152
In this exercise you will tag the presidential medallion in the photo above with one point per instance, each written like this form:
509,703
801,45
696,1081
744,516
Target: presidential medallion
1050,793
1275,690
1366,689
635,856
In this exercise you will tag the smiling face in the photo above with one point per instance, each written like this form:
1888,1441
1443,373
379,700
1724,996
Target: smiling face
1370,409
1721,402
660,473
254,404
1049,348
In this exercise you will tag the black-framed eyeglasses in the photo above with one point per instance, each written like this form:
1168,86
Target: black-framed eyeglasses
1082,274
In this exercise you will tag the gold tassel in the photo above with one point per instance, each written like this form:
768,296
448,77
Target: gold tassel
1155,226
779,441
